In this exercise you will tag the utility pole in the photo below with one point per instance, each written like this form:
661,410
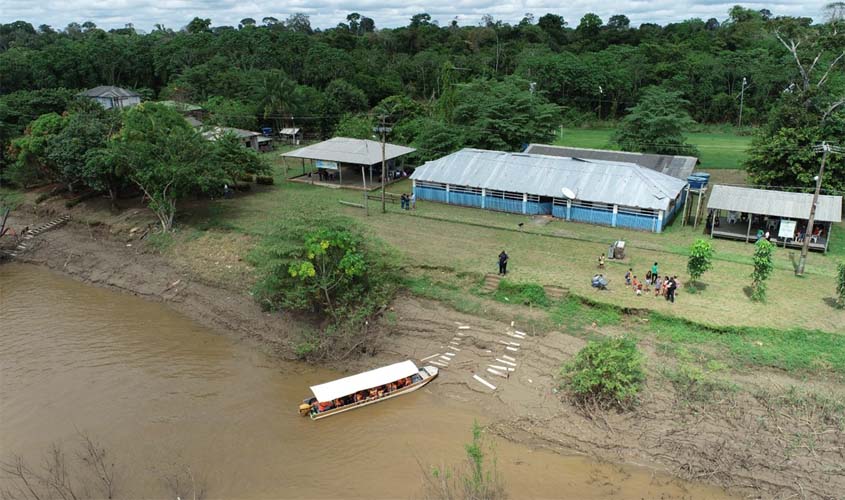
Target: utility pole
823,148
383,129
741,100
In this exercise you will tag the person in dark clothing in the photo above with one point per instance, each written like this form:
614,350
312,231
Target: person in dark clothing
503,263
670,290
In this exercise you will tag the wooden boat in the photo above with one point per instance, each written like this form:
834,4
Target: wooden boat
346,388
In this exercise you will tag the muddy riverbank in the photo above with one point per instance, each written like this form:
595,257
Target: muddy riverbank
743,443
163,394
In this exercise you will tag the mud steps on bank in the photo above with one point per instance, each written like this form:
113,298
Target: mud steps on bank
23,243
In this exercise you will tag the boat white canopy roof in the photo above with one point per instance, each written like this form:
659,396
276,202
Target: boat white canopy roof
362,381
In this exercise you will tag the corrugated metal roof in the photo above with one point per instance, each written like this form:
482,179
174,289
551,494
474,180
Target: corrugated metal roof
776,203
108,91
216,132
183,107
679,167
289,131
345,150
595,181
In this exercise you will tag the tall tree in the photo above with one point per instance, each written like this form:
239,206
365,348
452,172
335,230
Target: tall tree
656,124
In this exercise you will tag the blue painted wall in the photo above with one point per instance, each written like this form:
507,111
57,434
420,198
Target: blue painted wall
580,214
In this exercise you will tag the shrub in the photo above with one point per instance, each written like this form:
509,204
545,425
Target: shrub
265,180
840,285
608,371
522,293
700,259
763,267
329,270
477,481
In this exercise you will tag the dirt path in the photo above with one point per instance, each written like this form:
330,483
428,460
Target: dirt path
757,447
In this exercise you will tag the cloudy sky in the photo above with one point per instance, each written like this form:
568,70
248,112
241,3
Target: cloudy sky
144,14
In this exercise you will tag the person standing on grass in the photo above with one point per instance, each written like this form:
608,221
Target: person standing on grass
670,290
503,263
413,200
601,262
628,276
655,271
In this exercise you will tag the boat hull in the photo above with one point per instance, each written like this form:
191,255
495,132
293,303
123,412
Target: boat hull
430,374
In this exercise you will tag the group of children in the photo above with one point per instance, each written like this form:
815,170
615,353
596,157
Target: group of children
665,286
408,201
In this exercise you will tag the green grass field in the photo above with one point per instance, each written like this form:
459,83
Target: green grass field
718,149
553,252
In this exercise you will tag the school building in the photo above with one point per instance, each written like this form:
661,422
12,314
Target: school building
616,194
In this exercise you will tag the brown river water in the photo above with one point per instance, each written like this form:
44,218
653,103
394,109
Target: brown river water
162,393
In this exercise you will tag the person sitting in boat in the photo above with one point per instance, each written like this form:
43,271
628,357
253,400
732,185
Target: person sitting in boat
359,396
416,378
326,406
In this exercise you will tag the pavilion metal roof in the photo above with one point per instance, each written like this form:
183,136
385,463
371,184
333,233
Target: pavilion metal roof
215,133
109,91
677,166
617,183
346,150
776,203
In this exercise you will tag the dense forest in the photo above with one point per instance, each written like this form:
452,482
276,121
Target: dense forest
494,85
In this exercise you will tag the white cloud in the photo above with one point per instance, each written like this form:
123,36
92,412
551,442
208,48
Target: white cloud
144,14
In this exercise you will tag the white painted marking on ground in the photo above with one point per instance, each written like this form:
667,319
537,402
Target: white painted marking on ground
439,364
508,357
463,327
496,372
488,384
432,356
514,349
505,362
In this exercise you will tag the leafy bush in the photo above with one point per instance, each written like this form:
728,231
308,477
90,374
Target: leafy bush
328,270
700,259
608,371
522,293
763,267
478,480
265,180
840,285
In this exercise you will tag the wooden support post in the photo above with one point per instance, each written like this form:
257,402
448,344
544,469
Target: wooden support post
524,203
748,232
615,213
701,193
483,196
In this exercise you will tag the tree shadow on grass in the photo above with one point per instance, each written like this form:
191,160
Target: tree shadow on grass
748,291
831,301
696,287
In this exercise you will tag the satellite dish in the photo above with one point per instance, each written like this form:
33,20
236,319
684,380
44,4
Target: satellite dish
568,193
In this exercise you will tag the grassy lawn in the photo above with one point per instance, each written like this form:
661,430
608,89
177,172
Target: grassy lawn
555,252
718,149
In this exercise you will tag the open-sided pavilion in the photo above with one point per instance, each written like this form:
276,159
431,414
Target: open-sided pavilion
742,213
345,162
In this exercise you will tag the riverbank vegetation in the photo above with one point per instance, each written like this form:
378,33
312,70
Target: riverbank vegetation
327,268
477,479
